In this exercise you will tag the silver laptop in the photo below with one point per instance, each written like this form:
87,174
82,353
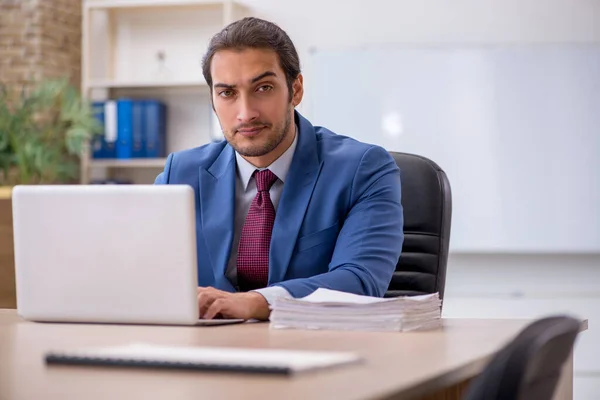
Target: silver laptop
106,254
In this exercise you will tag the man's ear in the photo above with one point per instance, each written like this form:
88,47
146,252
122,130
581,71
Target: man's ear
297,90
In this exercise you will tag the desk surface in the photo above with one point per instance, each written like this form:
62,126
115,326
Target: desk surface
397,364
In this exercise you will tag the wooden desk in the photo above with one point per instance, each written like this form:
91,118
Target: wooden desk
398,365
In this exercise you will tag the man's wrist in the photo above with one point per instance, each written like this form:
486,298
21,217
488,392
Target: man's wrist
260,306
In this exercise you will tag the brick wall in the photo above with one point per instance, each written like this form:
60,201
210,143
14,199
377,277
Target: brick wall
40,38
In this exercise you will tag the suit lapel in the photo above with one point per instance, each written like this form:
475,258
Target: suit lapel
297,191
217,195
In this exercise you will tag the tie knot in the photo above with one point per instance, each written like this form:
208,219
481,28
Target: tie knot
264,180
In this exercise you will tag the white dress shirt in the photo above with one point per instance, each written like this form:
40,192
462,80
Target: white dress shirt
245,191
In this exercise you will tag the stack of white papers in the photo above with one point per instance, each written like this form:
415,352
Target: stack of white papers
334,310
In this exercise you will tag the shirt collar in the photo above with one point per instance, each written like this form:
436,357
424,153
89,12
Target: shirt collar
279,167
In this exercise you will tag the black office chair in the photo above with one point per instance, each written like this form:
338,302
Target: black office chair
427,203
529,366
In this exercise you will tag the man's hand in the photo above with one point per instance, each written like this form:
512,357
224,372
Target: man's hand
214,302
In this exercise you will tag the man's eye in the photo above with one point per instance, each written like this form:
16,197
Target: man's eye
226,93
265,88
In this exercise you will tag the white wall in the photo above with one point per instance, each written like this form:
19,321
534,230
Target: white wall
328,22
332,23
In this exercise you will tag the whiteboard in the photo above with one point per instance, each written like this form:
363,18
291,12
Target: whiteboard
517,130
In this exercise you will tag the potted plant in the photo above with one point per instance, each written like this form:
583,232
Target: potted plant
43,132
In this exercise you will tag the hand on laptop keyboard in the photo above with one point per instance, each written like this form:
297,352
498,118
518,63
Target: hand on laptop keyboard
214,303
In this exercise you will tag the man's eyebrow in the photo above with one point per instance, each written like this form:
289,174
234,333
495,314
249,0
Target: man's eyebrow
263,75
223,85
253,80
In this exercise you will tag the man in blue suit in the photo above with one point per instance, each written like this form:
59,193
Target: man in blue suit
282,207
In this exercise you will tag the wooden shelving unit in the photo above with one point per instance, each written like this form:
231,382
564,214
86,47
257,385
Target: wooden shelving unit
151,49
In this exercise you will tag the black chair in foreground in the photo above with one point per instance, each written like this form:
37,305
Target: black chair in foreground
529,367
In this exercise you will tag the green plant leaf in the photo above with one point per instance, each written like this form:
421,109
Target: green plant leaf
76,139
43,131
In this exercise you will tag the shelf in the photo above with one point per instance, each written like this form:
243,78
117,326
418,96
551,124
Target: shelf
107,84
129,163
124,4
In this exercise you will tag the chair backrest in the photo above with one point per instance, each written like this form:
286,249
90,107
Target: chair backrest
529,366
427,203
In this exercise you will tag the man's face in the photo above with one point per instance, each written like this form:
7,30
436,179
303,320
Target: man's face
251,100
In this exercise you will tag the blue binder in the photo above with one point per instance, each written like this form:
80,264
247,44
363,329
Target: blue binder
138,136
124,128
155,120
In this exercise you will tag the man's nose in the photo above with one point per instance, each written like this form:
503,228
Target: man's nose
247,111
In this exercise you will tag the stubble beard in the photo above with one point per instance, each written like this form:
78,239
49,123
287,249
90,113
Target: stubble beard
271,144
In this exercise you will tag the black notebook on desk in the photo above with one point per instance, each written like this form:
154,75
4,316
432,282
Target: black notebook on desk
203,358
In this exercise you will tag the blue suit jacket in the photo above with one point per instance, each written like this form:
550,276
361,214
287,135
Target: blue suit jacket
339,223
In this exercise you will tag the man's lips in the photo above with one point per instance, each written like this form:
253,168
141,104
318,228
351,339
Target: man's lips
253,131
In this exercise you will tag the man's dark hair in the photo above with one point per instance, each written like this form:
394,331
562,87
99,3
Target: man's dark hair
255,33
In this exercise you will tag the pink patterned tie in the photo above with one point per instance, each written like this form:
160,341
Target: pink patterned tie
253,251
